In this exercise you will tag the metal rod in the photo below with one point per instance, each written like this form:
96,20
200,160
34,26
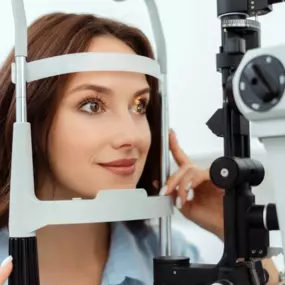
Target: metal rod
21,98
165,222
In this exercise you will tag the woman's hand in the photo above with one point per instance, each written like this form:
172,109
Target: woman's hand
195,195
5,269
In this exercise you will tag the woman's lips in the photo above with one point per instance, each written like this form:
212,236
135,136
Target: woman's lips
123,167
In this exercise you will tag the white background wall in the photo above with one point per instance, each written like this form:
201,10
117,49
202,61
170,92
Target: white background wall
193,37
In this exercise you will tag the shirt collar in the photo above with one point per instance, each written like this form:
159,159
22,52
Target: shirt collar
125,257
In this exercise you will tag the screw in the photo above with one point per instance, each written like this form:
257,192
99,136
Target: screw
242,86
224,172
268,59
260,252
253,251
174,272
255,106
274,101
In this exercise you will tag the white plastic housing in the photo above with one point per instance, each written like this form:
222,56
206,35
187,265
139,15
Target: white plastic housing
269,127
263,124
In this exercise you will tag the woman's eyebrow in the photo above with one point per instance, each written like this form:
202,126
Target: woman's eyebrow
105,90
143,91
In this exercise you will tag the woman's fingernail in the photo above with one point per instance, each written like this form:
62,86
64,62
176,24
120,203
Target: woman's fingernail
163,191
188,186
6,261
155,184
174,135
177,188
190,195
178,202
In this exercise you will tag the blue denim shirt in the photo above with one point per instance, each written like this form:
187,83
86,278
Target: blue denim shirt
131,255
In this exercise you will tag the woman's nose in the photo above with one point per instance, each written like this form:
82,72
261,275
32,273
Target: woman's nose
127,132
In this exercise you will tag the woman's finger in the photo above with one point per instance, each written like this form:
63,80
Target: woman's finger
179,155
174,180
191,179
5,269
185,190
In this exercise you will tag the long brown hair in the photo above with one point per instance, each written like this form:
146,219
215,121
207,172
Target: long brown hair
52,35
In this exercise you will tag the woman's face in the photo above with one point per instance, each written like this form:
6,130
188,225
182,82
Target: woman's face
100,136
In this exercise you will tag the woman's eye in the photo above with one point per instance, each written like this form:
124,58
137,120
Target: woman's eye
140,106
92,107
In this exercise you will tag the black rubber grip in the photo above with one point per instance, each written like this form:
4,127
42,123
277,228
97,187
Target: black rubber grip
25,261
272,218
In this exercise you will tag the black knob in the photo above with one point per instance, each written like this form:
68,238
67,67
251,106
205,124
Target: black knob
262,80
229,172
262,83
272,221
263,217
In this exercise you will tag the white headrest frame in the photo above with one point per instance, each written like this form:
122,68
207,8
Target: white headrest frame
27,213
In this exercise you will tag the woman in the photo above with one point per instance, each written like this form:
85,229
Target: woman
82,124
